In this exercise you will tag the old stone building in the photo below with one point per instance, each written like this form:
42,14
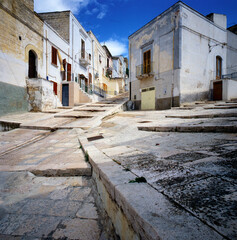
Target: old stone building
21,52
48,60
182,56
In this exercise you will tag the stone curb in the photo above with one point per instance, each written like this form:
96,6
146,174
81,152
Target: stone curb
217,115
96,121
150,214
176,128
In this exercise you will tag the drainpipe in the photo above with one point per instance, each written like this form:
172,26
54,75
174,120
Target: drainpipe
172,85
93,65
46,36
130,83
72,70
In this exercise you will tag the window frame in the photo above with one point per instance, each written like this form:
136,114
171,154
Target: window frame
54,58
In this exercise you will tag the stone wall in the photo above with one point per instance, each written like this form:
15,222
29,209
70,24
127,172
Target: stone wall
40,95
59,21
21,30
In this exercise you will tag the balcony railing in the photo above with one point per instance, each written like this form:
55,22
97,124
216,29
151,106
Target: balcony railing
143,71
85,59
230,76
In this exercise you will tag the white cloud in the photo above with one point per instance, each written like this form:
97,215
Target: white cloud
116,47
74,5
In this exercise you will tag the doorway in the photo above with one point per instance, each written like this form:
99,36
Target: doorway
148,97
65,95
32,73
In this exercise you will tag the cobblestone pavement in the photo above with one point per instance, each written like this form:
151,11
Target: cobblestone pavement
47,208
197,171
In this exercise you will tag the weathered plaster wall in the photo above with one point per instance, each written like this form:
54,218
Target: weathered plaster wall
40,95
20,31
59,21
229,89
231,53
161,35
12,98
51,71
198,62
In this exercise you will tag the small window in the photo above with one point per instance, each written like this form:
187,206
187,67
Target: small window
107,62
54,55
89,56
55,88
100,58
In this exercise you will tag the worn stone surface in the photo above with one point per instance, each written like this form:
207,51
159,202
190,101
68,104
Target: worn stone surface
56,155
195,170
42,208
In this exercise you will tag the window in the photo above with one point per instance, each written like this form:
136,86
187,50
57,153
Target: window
107,62
147,61
69,72
55,88
100,58
54,55
82,48
218,67
89,56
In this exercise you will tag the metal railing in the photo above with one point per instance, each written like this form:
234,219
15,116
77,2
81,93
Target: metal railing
92,89
144,69
85,58
230,76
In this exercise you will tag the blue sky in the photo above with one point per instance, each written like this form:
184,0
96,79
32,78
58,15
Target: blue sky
112,21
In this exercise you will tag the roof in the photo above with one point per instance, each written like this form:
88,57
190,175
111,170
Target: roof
169,9
107,50
233,29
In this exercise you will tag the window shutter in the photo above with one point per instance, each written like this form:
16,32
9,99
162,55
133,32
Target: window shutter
54,55
69,72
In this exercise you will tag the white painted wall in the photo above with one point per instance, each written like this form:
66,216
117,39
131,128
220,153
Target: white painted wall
231,53
52,38
229,89
77,32
198,60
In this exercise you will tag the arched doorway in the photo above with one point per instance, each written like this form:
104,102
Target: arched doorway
32,72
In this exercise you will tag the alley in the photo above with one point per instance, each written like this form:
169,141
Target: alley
46,189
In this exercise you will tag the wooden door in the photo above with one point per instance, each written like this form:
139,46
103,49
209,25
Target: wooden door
147,62
217,91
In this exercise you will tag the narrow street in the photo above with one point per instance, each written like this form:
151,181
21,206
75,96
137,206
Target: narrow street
46,189
186,155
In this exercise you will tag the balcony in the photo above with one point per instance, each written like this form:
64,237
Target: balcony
109,71
85,59
144,71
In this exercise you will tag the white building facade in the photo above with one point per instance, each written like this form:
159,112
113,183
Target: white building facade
177,56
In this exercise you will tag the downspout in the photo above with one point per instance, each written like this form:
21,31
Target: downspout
72,70
46,36
93,65
130,81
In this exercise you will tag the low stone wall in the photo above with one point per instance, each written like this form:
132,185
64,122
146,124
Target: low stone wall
40,95
137,210
12,99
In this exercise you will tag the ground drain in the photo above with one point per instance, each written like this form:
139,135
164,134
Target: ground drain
145,122
90,139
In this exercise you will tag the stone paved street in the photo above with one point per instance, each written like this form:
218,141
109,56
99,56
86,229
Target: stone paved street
47,208
197,171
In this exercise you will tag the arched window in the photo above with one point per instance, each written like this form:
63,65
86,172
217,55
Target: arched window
218,67
32,72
